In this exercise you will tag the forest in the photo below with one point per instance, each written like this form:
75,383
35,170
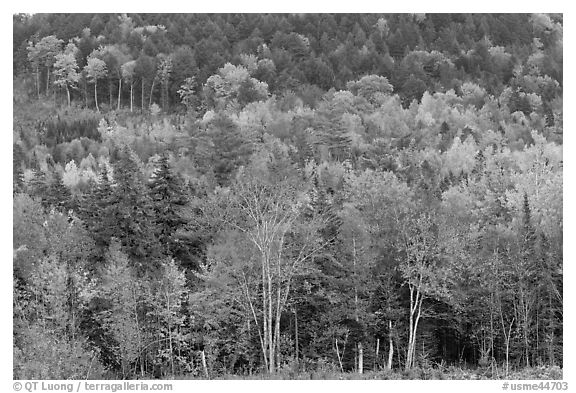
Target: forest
287,196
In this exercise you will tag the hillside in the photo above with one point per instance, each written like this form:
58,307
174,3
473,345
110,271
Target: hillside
284,196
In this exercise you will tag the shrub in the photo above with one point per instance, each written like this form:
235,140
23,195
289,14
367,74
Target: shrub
45,356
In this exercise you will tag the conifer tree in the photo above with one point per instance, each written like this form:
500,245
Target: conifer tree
17,173
37,185
132,211
57,194
168,197
95,209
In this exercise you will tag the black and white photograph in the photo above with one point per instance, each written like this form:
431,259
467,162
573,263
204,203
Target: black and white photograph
287,196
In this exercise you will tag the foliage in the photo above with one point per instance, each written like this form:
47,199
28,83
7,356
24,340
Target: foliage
288,196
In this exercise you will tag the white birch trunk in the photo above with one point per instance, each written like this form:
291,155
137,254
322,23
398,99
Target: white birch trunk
119,91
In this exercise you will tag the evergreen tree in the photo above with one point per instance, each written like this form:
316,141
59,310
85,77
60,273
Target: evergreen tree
37,185
57,194
133,213
17,173
168,198
95,210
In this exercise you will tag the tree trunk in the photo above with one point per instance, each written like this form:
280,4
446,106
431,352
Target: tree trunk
68,95
360,358
204,365
119,91
96,94
506,338
508,349
85,94
142,96
139,335
110,93
170,335
525,323
377,352
391,344
550,337
296,334
38,81
338,355
265,326
272,348
359,345
408,364
150,102
492,325
415,313
47,80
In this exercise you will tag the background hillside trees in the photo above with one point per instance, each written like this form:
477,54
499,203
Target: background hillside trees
287,194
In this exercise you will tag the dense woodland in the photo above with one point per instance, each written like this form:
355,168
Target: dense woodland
266,195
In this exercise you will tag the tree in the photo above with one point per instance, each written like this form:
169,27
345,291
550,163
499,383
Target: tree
375,203
187,93
47,50
225,88
122,288
372,87
146,69
356,241
48,341
95,69
17,167
266,211
131,216
168,199
95,209
66,69
57,194
183,67
128,71
164,71
166,300
115,57
28,234
34,57
221,148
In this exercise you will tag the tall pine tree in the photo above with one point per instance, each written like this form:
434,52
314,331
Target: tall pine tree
168,197
132,212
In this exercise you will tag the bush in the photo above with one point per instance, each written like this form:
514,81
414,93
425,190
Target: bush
45,356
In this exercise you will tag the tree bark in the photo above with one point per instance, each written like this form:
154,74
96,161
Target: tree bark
359,345
68,95
272,347
38,81
204,365
170,334
391,346
377,353
131,96
119,92
110,93
142,96
85,94
151,92
140,346
265,326
96,94
338,355
415,313
47,80
360,358
296,334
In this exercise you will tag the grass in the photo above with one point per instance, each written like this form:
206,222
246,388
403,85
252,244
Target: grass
446,373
